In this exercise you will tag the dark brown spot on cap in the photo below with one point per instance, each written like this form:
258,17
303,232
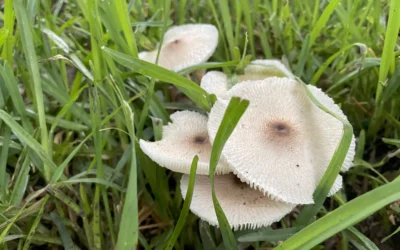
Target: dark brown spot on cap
200,139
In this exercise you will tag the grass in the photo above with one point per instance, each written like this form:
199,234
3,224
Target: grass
75,100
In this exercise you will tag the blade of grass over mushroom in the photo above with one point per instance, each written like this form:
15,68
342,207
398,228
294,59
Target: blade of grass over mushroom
333,169
208,65
189,88
233,113
343,217
186,205
150,88
30,55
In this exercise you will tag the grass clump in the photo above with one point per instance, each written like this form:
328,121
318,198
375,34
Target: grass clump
75,100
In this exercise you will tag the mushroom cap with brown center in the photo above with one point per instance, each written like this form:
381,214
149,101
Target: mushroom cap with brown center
185,46
182,139
243,206
283,143
215,82
261,69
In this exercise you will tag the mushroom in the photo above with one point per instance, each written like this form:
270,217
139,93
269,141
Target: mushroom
261,69
283,143
215,82
243,206
185,46
182,139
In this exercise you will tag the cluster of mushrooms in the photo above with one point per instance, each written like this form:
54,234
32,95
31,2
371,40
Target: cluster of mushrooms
277,153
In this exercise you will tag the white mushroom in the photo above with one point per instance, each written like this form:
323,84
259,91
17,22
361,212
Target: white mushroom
283,143
182,139
215,82
261,69
243,206
185,46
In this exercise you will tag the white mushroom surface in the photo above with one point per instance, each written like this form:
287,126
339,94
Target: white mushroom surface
185,46
182,139
261,69
283,143
243,206
215,82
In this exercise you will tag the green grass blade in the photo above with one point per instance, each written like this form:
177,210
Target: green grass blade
391,38
233,113
391,235
227,21
186,205
129,227
150,87
316,31
21,183
343,217
9,19
30,55
208,65
323,67
3,164
327,180
124,21
35,224
249,25
62,230
367,243
12,86
270,235
191,89
26,138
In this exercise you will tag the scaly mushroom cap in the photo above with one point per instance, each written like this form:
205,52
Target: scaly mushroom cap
243,206
261,69
283,143
185,46
182,139
215,82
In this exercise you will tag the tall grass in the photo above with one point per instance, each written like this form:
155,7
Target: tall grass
75,100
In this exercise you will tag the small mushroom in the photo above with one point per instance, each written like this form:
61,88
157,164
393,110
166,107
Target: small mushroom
215,82
243,206
261,69
283,143
182,139
185,46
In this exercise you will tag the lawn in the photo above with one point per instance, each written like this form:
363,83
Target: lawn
76,104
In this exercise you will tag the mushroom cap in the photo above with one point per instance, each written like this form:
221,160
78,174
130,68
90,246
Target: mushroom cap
243,206
215,82
261,69
283,143
182,139
185,46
